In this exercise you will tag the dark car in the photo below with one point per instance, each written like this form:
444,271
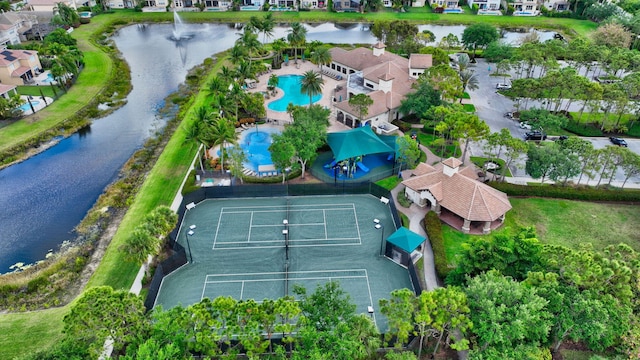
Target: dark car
535,135
617,141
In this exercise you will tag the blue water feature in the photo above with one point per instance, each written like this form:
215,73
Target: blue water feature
26,107
48,79
255,144
290,85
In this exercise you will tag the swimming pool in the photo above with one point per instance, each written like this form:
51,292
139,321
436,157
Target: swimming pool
48,79
250,8
25,107
255,144
452,11
290,84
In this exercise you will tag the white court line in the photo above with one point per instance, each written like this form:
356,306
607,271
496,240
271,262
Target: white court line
250,226
355,216
324,219
280,246
242,291
215,237
281,279
371,296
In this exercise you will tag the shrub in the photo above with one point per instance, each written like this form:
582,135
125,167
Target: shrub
569,193
582,129
402,199
433,226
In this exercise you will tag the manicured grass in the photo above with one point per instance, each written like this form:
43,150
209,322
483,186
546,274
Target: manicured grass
427,139
563,222
35,90
21,333
389,183
479,161
469,108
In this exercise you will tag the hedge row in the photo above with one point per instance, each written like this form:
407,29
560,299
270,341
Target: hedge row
570,193
433,226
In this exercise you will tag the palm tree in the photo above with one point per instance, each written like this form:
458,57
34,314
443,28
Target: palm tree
320,57
278,45
297,37
222,132
199,132
273,83
237,53
469,80
216,85
249,41
267,27
311,84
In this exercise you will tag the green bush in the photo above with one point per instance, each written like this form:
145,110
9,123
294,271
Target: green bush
569,193
582,129
433,226
402,199
634,130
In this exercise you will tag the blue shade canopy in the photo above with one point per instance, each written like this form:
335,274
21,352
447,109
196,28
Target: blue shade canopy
406,239
356,142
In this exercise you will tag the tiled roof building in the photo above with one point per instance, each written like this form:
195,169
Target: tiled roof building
456,190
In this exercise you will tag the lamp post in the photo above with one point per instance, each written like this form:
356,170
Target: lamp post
189,234
229,173
380,227
335,174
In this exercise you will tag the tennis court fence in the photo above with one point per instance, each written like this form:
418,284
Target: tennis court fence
179,257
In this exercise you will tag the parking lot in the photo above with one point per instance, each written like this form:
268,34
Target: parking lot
491,107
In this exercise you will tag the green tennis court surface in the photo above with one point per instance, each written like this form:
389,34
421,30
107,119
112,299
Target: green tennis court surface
238,250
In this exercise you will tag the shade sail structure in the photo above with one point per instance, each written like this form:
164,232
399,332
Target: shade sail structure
406,239
356,142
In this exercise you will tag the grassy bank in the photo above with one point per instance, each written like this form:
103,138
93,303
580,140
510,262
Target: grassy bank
23,332
563,222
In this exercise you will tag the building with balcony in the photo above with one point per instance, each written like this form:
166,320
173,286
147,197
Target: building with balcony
385,77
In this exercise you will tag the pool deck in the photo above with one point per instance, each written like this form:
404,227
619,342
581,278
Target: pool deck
299,69
41,105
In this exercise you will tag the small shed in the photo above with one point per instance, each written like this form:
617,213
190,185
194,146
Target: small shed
404,242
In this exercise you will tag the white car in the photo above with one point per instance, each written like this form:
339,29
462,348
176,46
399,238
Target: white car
524,125
501,86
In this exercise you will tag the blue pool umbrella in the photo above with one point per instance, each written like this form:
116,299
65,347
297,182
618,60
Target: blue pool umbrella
406,239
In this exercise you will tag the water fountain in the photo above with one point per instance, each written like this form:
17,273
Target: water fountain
179,32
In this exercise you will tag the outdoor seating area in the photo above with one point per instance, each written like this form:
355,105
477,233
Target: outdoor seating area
332,74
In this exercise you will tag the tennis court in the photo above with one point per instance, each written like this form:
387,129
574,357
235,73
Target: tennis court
262,247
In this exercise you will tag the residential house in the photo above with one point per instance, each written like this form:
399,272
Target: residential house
121,4
456,195
7,91
18,67
13,25
485,4
48,5
385,77
346,5
445,4
524,7
557,5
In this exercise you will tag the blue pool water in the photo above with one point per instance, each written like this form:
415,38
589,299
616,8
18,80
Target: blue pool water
25,107
48,79
256,146
452,11
249,8
290,84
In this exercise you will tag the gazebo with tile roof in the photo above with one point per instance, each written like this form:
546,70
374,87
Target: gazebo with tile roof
456,190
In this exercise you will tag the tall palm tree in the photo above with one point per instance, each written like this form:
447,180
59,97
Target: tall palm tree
222,132
311,84
268,23
249,41
216,85
320,57
237,53
297,37
469,80
235,95
199,133
278,45
273,83
226,74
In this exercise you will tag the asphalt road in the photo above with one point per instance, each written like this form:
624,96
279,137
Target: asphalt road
491,107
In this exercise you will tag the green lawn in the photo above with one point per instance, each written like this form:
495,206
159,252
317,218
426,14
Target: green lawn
563,222
21,333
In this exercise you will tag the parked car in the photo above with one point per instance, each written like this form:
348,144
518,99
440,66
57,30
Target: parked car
502,86
535,135
617,141
524,125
